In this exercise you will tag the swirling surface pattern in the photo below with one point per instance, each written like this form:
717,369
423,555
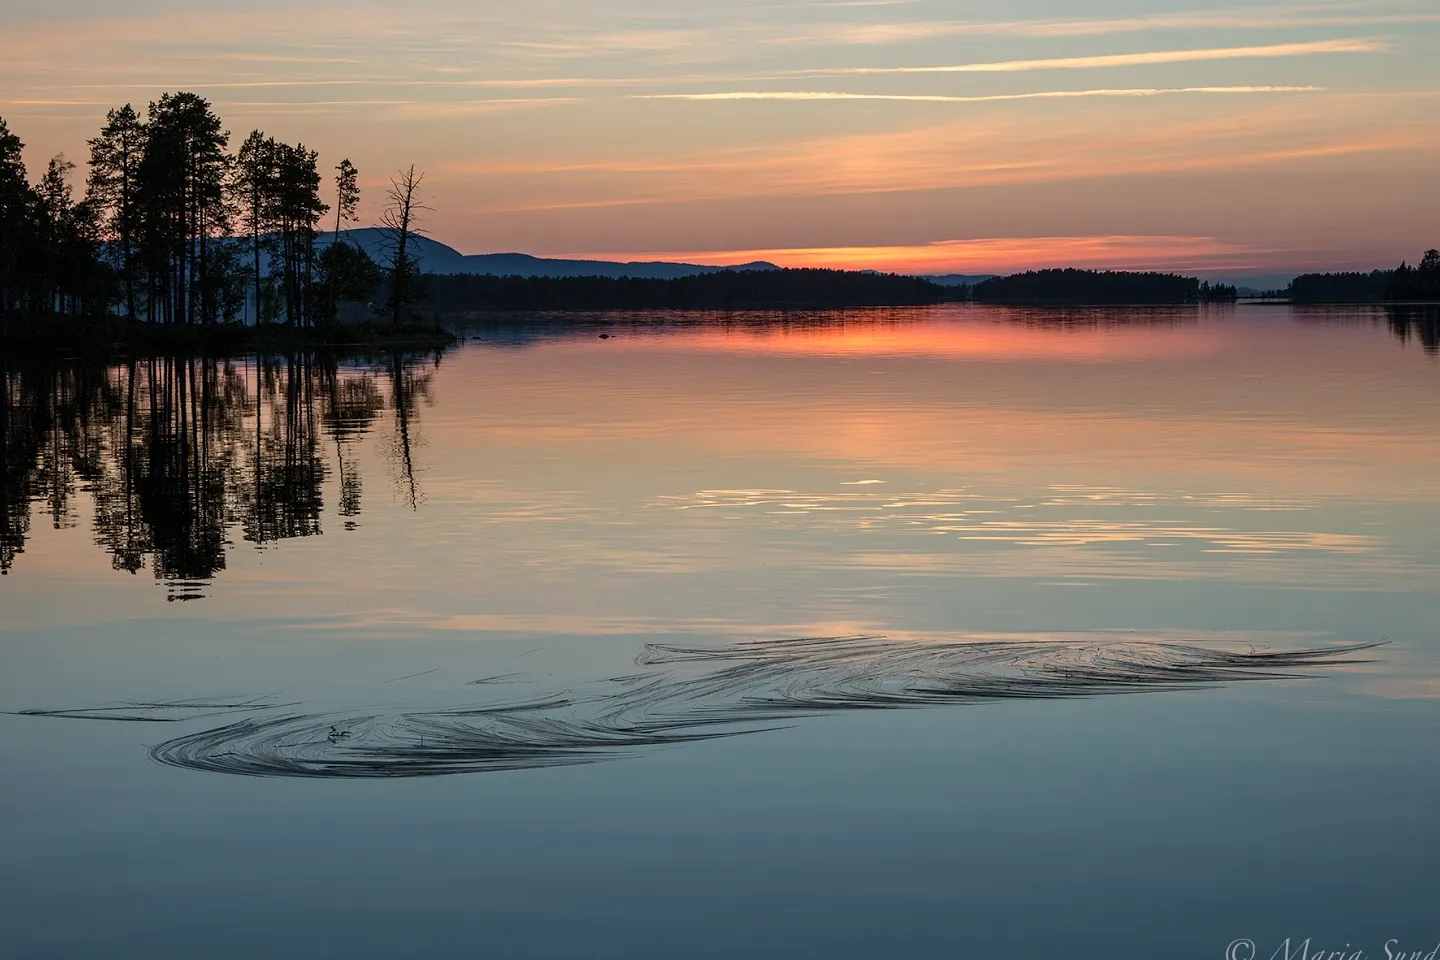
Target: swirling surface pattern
685,695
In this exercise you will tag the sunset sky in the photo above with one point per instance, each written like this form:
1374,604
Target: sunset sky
1228,139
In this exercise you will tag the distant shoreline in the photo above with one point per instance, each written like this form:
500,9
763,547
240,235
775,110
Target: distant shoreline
452,295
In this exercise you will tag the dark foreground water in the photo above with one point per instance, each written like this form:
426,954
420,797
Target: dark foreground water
492,656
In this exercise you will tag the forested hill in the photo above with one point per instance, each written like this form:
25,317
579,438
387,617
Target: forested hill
1097,287
431,256
724,290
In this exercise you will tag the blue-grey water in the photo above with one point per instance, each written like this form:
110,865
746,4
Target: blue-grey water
342,549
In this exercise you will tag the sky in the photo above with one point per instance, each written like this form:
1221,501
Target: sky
971,136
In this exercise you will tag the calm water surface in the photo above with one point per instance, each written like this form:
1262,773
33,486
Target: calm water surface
385,545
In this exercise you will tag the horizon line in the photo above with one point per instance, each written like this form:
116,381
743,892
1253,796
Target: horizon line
714,259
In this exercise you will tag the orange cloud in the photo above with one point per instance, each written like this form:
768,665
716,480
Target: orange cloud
993,255
984,150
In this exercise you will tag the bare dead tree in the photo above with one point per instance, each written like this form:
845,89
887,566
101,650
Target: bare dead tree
403,210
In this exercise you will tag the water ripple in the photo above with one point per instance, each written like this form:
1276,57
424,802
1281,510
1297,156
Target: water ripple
691,694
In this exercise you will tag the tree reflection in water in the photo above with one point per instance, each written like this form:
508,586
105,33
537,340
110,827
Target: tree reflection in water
1420,322
179,453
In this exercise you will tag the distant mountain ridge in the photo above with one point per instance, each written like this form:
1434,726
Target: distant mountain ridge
438,258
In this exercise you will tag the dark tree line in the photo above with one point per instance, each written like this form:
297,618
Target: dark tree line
779,289
49,243
175,230
1339,287
1420,282
1099,287
179,454
722,290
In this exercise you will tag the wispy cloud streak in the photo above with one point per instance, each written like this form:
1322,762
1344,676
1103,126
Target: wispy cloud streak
937,98
1264,18
1145,58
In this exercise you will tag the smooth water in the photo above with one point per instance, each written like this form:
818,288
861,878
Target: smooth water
563,567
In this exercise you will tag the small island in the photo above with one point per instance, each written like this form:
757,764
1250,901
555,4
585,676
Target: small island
178,242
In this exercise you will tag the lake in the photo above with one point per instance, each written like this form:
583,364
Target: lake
955,631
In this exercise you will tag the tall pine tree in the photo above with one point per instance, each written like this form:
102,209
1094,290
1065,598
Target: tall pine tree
115,157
